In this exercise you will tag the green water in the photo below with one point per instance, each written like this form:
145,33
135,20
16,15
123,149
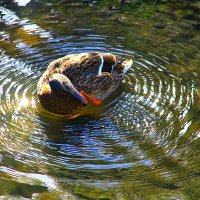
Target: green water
142,143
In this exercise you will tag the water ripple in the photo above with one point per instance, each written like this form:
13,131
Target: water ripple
140,132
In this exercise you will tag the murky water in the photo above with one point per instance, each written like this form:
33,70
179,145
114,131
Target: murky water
142,143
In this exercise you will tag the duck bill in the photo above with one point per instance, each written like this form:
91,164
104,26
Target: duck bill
90,98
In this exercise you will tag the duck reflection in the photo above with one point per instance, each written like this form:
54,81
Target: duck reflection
115,146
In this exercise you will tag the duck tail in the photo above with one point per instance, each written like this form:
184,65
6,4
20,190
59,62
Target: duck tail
127,65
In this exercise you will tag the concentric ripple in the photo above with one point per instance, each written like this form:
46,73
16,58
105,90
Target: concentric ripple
143,139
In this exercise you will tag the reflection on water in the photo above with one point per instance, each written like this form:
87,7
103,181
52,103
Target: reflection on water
22,2
143,142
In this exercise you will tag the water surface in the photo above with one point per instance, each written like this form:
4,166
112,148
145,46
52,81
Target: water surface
142,143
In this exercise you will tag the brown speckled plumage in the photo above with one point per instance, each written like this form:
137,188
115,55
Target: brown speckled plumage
82,71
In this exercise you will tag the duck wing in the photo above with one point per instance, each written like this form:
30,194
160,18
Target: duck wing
79,65
93,65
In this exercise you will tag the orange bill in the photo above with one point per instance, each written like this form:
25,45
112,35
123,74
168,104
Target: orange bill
91,98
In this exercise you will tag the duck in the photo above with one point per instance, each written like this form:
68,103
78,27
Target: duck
76,81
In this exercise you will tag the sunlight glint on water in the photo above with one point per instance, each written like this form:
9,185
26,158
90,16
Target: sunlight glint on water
142,143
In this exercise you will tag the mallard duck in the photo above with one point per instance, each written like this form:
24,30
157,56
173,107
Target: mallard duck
77,80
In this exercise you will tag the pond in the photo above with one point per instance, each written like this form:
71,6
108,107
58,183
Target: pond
142,143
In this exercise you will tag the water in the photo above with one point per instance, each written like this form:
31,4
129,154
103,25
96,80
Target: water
142,143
